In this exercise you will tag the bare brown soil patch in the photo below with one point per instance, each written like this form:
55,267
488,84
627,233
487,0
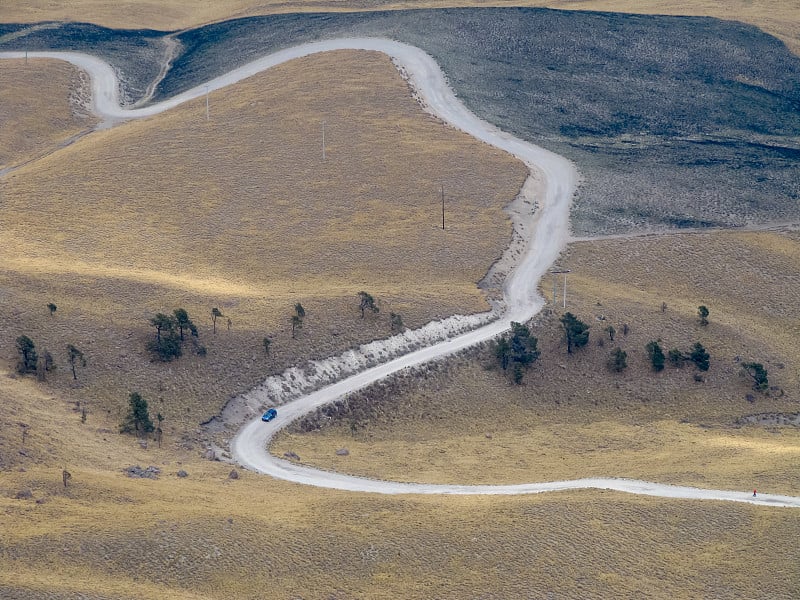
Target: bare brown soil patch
39,108
465,422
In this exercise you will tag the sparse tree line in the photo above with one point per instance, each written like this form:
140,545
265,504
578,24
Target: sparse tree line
30,361
170,335
173,333
169,340
517,350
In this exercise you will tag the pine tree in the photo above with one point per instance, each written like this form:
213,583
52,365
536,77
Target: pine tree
575,330
138,417
656,356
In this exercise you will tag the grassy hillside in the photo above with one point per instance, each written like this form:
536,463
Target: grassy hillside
140,219
674,122
240,212
37,110
208,536
572,417
652,109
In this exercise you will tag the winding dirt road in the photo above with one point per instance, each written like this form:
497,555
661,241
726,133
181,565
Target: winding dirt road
545,231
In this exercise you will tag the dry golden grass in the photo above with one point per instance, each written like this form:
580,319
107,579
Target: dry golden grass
573,418
36,110
781,19
206,536
665,451
210,537
230,205
240,212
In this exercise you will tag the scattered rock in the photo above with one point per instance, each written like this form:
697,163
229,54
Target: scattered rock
210,454
291,455
771,419
182,473
750,398
343,452
41,500
24,495
234,474
150,472
488,436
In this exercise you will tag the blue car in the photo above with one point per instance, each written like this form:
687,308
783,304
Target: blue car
269,415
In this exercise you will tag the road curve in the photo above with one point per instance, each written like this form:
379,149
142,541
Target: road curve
545,234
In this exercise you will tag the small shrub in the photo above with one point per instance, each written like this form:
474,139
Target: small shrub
618,361
758,374
655,355
575,331
699,356
28,356
676,358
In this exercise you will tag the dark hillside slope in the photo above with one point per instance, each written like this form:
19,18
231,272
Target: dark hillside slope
136,54
673,121
10,28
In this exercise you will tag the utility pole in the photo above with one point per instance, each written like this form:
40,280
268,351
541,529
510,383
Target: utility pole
555,289
207,103
442,207
556,272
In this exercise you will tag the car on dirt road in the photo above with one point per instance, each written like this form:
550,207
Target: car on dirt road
269,415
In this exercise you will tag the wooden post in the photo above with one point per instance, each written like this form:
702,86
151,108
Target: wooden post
442,207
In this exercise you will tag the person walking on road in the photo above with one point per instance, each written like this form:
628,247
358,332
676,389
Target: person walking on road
754,493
